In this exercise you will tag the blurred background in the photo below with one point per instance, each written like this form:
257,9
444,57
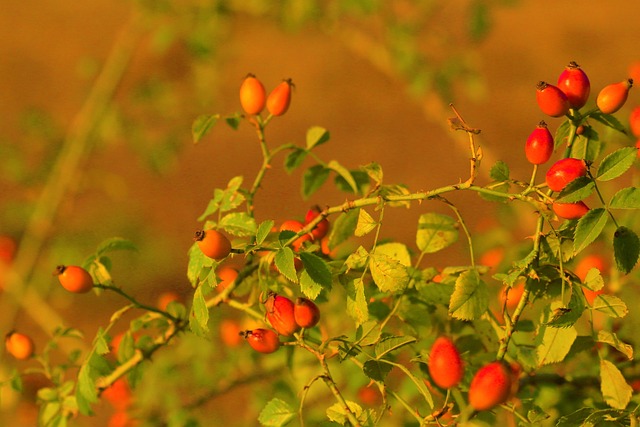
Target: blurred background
112,88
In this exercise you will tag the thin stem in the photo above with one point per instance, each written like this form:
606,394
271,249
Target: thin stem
136,302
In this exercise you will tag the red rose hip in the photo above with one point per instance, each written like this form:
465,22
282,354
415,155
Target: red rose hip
551,100
539,146
612,97
574,82
564,171
306,313
445,365
490,386
280,314
262,340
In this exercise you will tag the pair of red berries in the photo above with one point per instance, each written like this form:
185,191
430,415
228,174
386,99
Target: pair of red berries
316,234
490,386
253,97
559,175
286,318
572,92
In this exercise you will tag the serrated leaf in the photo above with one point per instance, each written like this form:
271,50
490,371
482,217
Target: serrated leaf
568,316
436,232
317,135
626,198
357,259
470,298
389,344
562,133
589,228
360,178
610,121
86,393
553,344
276,413
626,248
202,125
376,370
396,251
344,173
610,305
309,287
357,307
283,261
294,159
387,273
317,269
499,171
313,179
616,163
593,280
197,262
199,317
263,231
337,412
374,170
239,224
615,390
365,223
577,190
343,227
613,340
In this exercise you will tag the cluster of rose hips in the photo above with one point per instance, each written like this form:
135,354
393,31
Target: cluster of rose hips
286,317
491,385
253,96
570,94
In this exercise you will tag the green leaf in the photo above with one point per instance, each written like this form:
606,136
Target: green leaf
589,228
593,280
395,251
389,344
374,170
376,370
233,121
470,298
263,231
436,232
616,163
294,159
613,340
479,20
365,223
313,179
86,394
276,413
239,224
357,307
626,247
115,244
615,390
343,227
337,413
202,125
610,121
553,344
564,317
610,305
562,133
578,189
344,173
626,198
197,262
499,171
199,317
285,265
388,274
359,177
317,269
308,286
357,259
317,135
